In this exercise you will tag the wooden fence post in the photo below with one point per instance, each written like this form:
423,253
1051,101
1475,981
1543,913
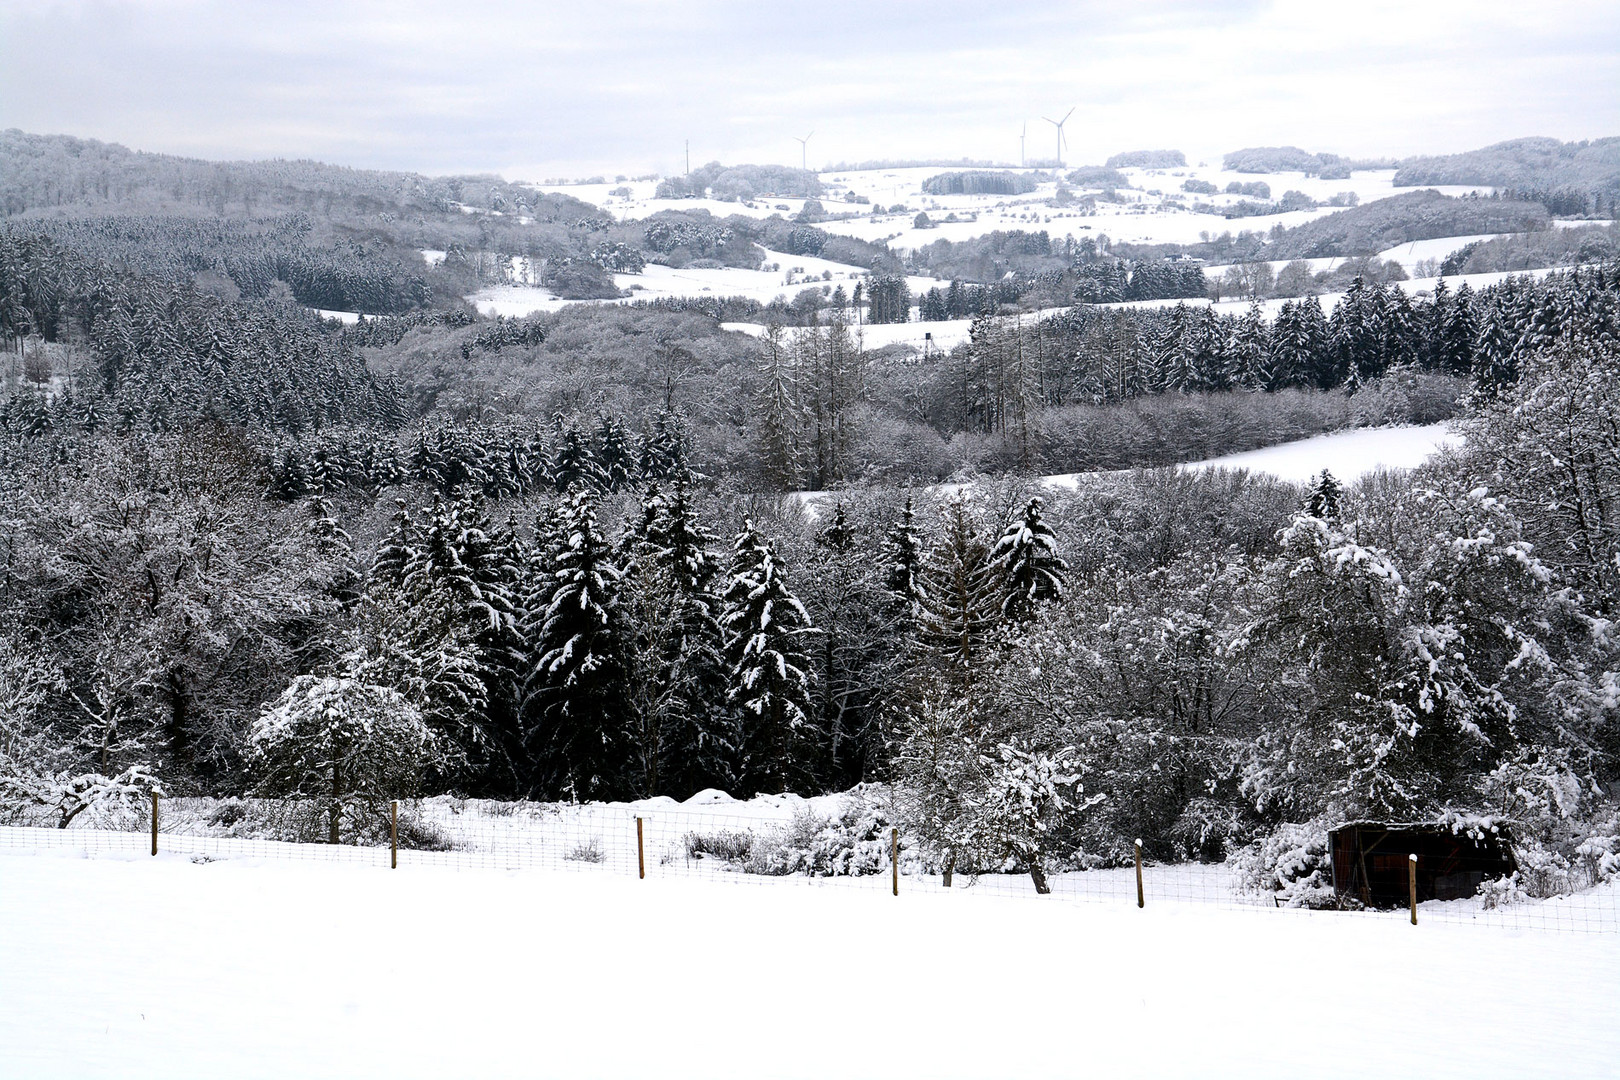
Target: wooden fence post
894,858
1411,884
154,821
1141,901
393,835
641,851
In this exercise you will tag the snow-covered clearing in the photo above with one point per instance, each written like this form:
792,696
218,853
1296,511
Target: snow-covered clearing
1349,455
794,274
131,966
943,334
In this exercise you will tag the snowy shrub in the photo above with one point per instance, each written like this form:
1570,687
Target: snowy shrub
587,851
1564,836
1405,395
110,802
416,833
227,814
341,746
854,843
733,846
1293,865
308,821
1207,828
1029,791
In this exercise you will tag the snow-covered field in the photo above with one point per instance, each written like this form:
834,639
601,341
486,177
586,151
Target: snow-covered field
1349,455
944,334
1153,210
1156,210
128,966
795,273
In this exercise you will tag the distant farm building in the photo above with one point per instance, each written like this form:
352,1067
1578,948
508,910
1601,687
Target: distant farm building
1370,862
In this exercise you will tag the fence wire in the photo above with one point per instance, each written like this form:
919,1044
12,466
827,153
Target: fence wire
763,842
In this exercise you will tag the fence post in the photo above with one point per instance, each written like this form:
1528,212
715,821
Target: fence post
154,821
1141,901
894,858
1411,884
393,835
641,851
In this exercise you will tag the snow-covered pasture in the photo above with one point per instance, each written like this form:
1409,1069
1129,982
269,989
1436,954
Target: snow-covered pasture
1349,455
793,274
129,966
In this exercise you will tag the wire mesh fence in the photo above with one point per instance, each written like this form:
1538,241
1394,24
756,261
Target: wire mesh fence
762,842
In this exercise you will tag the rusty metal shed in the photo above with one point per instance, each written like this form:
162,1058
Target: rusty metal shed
1370,861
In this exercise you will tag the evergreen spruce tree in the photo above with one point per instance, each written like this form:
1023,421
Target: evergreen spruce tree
397,549
769,674
663,449
1323,500
336,546
1314,345
1456,349
577,707
1026,564
1251,348
611,449
857,649
903,568
961,607
1282,362
573,462
690,739
1495,356
1439,314
1404,339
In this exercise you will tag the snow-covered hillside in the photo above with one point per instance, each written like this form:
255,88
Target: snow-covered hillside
1153,209
1349,455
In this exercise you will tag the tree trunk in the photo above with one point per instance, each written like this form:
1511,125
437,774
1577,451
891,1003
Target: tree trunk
1038,876
950,865
335,814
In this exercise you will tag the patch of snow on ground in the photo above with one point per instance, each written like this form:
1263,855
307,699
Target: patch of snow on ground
139,967
1349,455
946,333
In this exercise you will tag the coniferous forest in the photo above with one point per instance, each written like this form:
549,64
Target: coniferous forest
562,548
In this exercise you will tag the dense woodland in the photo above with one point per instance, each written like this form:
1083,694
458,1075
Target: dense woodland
552,557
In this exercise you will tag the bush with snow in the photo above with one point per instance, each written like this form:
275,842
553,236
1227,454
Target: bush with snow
109,802
341,747
1293,865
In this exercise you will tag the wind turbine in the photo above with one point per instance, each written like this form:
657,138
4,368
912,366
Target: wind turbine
1061,142
1021,135
804,145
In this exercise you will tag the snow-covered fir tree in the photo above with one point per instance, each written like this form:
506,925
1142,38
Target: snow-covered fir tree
902,554
578,723
1026,564
688,735
767,632
962,605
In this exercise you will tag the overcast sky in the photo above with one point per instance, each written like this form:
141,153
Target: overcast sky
533,89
